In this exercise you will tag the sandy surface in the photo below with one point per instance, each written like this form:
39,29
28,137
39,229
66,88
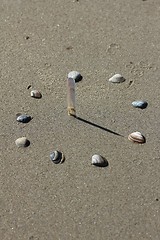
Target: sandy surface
40,42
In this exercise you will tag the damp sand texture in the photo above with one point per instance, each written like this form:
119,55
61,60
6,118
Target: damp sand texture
41,42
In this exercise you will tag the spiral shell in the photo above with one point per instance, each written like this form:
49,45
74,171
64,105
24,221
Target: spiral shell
57,157
99,161
136,137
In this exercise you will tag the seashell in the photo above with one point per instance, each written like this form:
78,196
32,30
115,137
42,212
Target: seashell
22,142
23,118
117,78
57,157
75,75
36,94
136,137
99,161
140,104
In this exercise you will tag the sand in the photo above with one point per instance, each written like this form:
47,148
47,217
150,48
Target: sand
41,42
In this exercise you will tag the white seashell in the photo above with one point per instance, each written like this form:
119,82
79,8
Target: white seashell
117,78
136,137
139,104
98,160
75,75
36,94
22,142
57,157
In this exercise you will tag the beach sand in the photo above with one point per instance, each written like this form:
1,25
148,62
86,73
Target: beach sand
41,42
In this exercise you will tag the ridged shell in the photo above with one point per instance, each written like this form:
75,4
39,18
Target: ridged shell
136,137
99,161
24,118
117,78
36,94
140,104
22,142
75,75
57,157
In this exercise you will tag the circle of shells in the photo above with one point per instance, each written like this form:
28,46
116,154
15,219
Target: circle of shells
96,160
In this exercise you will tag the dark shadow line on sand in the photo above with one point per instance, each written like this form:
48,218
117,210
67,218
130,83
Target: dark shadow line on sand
98,126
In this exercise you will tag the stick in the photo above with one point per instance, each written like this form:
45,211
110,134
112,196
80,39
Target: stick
71,97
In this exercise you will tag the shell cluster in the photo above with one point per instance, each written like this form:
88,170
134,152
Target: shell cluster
75,75
136,137
117,78
139,104
36,94
99,161
22,142
57,157
23,118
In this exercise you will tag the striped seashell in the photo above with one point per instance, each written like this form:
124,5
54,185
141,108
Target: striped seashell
136,137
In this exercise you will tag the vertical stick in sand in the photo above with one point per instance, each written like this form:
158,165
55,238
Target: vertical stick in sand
71,97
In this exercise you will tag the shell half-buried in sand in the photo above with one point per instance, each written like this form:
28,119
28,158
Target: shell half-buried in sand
136,137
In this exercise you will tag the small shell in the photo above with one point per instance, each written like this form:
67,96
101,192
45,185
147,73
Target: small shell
140,104
24,118
117,78
136,137
99,161
36,94
75,75
22,142
57,157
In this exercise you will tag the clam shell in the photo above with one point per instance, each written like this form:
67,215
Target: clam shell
117,78
99,161
75,75
36,94
140,104
136,137
57,157
24,118
22,142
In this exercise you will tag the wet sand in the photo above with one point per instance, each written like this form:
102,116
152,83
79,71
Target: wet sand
41,42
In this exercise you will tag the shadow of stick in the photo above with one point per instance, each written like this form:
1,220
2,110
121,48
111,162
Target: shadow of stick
98,126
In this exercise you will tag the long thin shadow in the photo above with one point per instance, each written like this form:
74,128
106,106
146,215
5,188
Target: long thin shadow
98,126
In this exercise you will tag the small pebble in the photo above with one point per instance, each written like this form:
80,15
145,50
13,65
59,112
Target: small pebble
24,118
99,161
75,75
117,78
36,94
140,104
22,142
57,157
